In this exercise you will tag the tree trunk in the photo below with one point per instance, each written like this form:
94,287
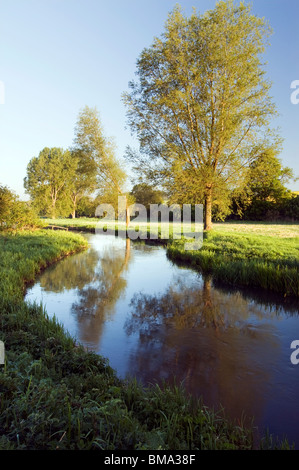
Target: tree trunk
74,199
208,209
53,210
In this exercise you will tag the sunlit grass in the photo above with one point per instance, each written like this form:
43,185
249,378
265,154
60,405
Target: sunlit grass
280,230
246,259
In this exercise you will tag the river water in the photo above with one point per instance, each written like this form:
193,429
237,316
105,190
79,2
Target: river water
159,321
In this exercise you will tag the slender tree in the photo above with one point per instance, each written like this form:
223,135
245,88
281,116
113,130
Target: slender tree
88,138
200,105
97,156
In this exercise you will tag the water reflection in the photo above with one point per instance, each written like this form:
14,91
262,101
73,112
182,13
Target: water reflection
96,301
155,320
209,341
190,307
73,273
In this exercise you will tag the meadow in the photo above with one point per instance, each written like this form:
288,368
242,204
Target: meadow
57,395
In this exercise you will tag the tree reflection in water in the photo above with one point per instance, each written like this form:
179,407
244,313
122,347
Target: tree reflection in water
185,307
209,341
73,272
97,276
98,298
231,348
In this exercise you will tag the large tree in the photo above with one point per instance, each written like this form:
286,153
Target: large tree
200,105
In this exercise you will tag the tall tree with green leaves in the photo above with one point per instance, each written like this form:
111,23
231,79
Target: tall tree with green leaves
97,156
48,181
88,134
200,106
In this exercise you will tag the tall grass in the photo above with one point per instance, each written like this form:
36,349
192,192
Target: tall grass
246,260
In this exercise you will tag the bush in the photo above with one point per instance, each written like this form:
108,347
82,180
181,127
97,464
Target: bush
290,209
16,214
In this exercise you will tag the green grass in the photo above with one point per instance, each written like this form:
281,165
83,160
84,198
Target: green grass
246,259
56,395
24,254
280,230
255,255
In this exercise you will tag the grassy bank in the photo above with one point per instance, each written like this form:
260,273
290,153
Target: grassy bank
56,395
255,255
246,260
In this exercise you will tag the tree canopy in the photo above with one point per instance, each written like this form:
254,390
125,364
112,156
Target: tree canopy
200,105
100,165
49,177
146,195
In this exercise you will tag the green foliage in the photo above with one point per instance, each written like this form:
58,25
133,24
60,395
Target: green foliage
200,105
48,181
290,208
146,194
264,195
16,214
86,207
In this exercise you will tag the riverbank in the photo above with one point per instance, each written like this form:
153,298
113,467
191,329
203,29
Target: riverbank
56,395
246,260
255,255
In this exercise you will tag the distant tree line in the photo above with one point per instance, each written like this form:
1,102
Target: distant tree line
73,181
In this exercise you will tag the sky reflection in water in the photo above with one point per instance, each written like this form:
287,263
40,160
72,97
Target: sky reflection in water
157,321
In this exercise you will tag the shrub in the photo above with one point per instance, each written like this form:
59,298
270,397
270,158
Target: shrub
16,214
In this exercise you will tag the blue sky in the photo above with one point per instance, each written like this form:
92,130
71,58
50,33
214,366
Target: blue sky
56,56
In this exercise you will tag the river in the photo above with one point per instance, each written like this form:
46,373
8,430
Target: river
158,321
